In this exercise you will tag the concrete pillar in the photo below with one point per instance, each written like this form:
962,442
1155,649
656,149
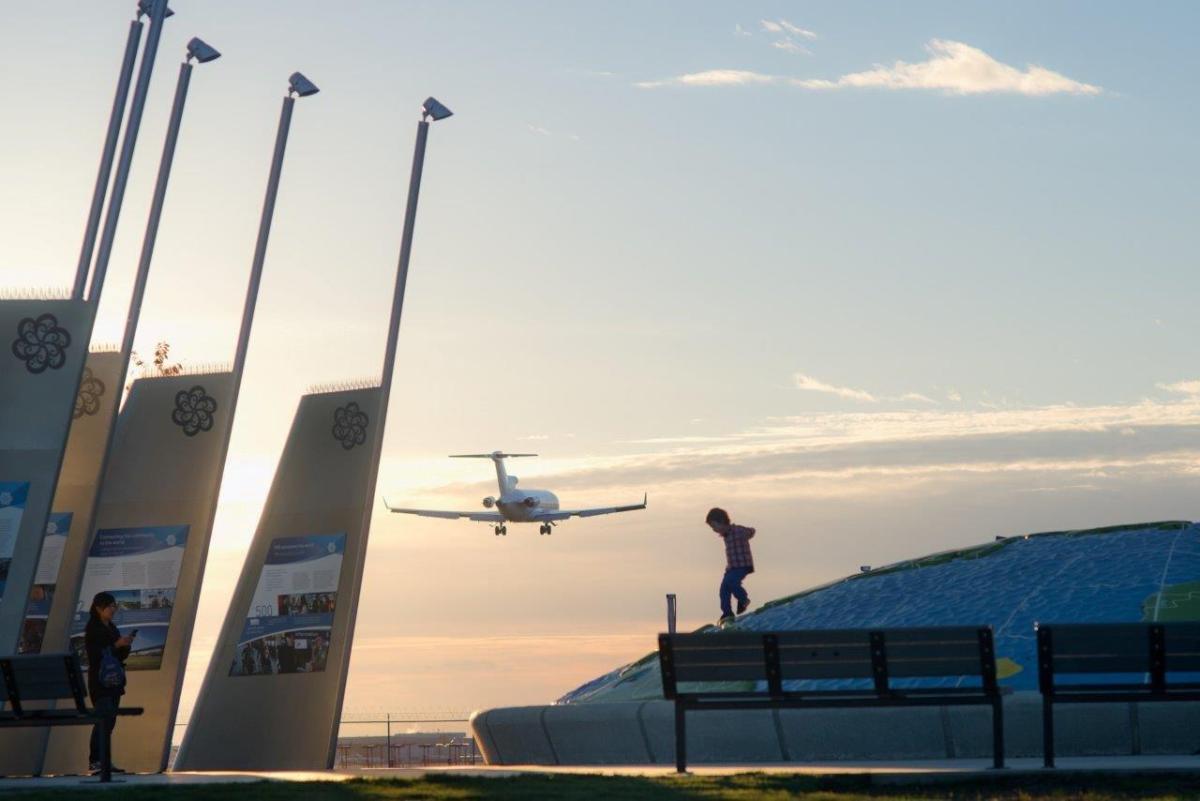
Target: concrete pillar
289,721
43,344
100,388
163,474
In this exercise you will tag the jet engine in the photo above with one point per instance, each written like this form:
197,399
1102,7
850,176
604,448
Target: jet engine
530,503
489,502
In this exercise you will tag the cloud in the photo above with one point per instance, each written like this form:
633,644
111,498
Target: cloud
783,26
738,30
953,68
810,384
958,69
954,395
711,78
893,453
1182,387
917,396
790,46
786,34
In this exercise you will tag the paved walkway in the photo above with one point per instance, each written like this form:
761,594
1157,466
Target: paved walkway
914,772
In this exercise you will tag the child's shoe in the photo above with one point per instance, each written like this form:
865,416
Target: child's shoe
743,605
726,621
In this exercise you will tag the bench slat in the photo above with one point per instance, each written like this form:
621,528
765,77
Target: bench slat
1182,641
933,666
738,672
727,656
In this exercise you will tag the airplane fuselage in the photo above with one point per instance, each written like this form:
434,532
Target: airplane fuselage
523,506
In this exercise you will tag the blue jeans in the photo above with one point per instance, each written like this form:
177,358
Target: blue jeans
731,587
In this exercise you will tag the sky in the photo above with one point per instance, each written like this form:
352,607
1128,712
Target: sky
880,278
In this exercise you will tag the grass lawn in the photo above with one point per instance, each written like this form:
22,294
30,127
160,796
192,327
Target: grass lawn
742,787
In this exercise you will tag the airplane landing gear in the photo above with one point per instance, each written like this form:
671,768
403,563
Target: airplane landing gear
501,531
546,530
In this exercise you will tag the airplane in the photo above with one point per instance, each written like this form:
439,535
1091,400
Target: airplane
516,505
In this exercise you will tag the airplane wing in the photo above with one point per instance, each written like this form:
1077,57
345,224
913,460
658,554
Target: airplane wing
563,514
479,517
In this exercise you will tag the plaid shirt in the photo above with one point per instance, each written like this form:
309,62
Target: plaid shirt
737,547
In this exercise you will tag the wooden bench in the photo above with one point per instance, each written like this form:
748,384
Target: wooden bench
1127,662
34,678
763,661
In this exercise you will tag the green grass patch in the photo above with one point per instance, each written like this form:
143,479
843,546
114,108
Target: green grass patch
740,787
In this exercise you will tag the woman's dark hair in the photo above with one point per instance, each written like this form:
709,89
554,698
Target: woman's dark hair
103,600
718,516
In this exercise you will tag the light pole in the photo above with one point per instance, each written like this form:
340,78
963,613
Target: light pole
200,51
298,86
435,110
430,109
106,156
158,11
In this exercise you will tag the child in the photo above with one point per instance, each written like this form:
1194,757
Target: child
739,563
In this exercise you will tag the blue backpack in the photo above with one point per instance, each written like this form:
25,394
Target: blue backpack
112,672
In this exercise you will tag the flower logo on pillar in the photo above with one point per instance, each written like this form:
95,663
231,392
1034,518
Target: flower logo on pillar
350,425
194,410
41,343
91,389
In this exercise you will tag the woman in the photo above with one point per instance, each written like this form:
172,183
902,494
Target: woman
100,635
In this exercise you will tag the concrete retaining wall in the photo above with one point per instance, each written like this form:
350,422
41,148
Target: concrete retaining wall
639,733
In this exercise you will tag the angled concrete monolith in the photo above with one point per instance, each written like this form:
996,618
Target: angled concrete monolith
42,351
289,613
148,547
51,601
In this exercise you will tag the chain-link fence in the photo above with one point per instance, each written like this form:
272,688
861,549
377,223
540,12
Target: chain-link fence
396,740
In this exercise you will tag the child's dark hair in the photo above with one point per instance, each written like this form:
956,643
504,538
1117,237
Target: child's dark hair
718,516
103,600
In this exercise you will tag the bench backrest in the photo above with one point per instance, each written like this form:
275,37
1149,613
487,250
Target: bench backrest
1148,650
42,677
876,654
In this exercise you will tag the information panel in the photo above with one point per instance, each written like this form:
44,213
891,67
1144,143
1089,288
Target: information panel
13,495
41,595
140,567
288,624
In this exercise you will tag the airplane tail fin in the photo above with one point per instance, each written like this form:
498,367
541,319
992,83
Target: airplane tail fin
497,457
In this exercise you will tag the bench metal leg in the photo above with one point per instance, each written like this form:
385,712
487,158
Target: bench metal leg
680,739
998,733
1048,731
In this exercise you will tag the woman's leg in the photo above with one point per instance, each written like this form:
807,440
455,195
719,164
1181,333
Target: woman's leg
106,706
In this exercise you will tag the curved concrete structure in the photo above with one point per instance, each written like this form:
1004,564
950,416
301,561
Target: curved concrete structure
1120,574
642,733
1139,572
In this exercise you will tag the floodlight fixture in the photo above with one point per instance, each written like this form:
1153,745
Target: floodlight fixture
299,85
202,51
432,108
146,6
